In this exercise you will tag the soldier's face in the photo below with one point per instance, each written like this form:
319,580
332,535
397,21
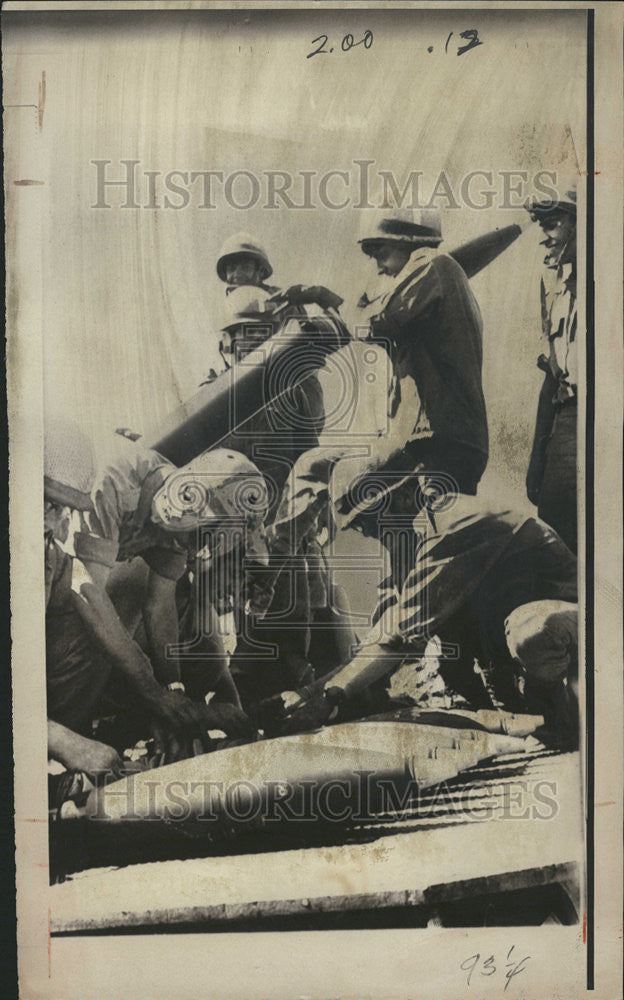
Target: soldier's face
242,270
390,257
559,230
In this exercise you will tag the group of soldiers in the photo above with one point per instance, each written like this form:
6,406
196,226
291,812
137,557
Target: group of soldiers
166,584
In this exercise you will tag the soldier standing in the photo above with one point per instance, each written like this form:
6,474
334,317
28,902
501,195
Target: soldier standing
551,477
431,323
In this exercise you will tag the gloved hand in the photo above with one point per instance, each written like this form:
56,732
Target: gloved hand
301,295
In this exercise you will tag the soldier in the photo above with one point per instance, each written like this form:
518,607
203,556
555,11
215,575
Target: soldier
141,512
491,585
551,477
76,668
431,324
274,439
243,261
90,657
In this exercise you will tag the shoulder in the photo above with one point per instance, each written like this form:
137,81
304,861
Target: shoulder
133,460
448,272
419,276
443,263
118,488
128,468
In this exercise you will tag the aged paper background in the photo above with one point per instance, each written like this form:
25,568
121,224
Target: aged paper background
62,260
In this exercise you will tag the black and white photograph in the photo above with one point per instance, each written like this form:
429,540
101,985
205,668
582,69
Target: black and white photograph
315,458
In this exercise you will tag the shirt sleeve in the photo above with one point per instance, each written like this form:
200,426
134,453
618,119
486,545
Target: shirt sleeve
105,519
116,494
95,549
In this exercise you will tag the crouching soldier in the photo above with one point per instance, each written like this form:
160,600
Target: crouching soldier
158,520
493,586
93,665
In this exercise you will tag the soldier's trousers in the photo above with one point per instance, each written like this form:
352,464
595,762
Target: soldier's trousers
557,495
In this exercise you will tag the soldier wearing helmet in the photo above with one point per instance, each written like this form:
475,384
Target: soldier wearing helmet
274,438
551,477
244,261
431,325
144,529
93,664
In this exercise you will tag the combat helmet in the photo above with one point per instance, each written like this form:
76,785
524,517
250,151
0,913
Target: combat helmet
243,243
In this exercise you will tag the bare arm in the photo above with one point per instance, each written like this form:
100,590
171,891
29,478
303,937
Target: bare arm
160,617
78,753
99,615
369,665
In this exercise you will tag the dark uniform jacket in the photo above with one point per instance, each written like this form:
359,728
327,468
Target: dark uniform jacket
433,324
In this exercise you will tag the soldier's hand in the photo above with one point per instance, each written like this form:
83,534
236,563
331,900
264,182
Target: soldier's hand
230,719
259,601
301,295
167,745
290,700
308,715
93,757
178,713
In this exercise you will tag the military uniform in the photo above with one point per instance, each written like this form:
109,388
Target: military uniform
433,325
552,474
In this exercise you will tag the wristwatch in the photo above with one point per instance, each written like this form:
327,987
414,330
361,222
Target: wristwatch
176,686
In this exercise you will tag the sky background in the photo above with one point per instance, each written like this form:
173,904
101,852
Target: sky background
131,299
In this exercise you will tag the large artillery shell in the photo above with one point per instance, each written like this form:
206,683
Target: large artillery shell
338,774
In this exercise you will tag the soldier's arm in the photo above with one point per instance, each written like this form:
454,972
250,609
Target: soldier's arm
543,426
369,665
301,295
100,618
78,753
160,617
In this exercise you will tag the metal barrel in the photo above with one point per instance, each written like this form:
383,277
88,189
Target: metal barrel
255,381
478,253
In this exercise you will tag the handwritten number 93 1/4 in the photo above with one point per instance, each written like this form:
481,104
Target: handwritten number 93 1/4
477,965
348,42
